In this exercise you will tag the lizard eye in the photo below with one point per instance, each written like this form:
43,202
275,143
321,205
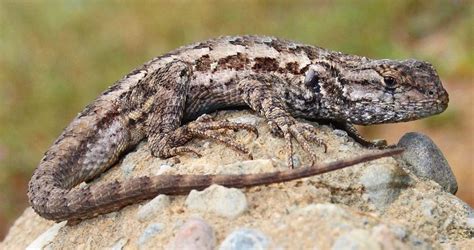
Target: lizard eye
390,82
312,80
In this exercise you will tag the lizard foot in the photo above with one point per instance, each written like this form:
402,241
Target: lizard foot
171,144
304,134
352,132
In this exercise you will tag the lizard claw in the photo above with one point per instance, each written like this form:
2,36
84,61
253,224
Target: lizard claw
274,129
303,133
309,132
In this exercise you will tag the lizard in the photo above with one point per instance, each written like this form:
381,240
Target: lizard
279,79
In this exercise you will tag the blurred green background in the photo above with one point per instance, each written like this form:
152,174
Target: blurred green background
57,56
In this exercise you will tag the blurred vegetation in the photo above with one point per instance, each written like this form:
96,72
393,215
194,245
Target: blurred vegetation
56,56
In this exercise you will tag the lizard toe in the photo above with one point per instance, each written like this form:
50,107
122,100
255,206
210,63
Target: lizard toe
304,134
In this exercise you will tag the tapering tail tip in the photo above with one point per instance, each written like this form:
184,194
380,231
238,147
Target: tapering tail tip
360,159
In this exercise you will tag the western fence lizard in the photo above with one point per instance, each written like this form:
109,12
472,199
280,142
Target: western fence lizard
276,78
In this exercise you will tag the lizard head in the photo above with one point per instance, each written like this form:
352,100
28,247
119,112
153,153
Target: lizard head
386,91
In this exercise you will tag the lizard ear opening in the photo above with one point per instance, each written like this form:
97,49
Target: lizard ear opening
390,82
311,80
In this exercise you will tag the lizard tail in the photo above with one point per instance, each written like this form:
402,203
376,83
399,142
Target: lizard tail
86,202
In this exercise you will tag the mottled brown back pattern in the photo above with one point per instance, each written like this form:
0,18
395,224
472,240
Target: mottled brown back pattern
278,79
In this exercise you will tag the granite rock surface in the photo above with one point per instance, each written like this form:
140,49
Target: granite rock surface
379,205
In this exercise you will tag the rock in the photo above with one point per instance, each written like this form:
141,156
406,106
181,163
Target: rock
245,238
163,169
47,237
248,119
311,213
153,208
194,234
428,208
250,166
383,184
388,238
355,239
151,231
341,133
470,223
127,165
226,202
324,210
426,160
119,244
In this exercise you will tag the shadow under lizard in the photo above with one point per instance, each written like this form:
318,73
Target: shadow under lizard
278,79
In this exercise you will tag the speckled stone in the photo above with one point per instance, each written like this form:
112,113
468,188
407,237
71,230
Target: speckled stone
150,232
219,200
194,234
245,238
355,239
383,184
119,244
153,208
311,213
426,160
47,237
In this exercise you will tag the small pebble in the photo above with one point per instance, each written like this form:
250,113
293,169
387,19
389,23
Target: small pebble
153,208
247,119
470,223
383,184
151,231
399,231
345,148
387,238
47,237
355,239
333,215
163,169
245,167
119,244
193,234
428,208
128,164
426,160
341,133
323,210
225,202
296,161
245,238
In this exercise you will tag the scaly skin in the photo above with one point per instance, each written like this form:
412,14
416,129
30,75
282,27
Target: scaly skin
276,78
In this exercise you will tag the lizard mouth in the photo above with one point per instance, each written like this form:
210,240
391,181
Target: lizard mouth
403,112
422,110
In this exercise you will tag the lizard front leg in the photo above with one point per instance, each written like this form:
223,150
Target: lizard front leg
258,92
166,136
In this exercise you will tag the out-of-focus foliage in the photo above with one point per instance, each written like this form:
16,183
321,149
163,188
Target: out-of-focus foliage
56,56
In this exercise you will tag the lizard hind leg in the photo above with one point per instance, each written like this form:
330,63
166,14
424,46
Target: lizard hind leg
166,138
171,144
